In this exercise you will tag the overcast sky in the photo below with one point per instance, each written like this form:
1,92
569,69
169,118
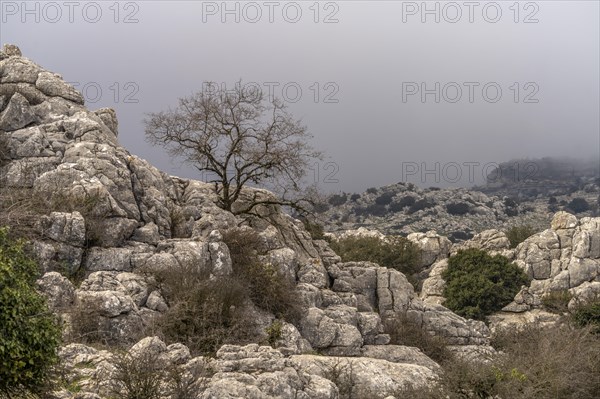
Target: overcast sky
513,79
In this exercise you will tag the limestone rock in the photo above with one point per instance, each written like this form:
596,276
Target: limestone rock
59,291
433,247
17,114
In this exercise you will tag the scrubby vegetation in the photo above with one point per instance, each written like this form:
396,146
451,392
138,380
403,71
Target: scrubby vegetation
337,199
395,252
588,314
207,311
578,205
551,362
518,234
478,284
457,209
29,333
405,331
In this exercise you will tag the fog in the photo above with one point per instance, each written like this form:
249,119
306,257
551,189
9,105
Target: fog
435,93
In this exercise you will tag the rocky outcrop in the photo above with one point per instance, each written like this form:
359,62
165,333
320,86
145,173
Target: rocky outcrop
457,213
250,371
565,257
107,220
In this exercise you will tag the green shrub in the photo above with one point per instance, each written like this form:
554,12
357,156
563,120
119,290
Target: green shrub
578,205
396,253
588,314
384,199
337,199
354,197
371,190
420,205
29,334
478,284
518,234
461,208
376,210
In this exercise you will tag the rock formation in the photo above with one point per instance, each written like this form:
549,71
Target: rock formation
117,216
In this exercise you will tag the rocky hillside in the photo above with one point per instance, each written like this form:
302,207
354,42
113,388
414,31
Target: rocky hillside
531,179
457,213
104,223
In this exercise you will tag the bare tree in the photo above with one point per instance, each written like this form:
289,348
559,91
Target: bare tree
240,137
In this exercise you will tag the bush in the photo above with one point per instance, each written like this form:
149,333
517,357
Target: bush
511,207
557,301
395,207
268,287
376,210
478,284
405,201
138,377
337,200
384,199
203,313
588,314
405,331
420,205
578,205
145,376
371,190
461,208
396,253
355,197
314,229
536,362
29,334
518,234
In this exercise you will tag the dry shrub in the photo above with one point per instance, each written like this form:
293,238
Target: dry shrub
204,312
534,362
268,287
555,362
149,376
138,377
341,373
405,331
557,301
88,326
20,208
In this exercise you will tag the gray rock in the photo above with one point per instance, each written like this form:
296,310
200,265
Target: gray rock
68,228
109,118
399,354
59,291
54,86
17,114
148,233
433,247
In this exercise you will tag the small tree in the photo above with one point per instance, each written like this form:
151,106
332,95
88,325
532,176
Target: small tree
240,137
29,334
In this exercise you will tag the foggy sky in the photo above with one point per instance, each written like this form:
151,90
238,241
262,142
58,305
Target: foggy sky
375,134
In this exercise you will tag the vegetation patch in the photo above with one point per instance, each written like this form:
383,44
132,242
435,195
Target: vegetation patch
478,284
518,234
395,252
29,333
